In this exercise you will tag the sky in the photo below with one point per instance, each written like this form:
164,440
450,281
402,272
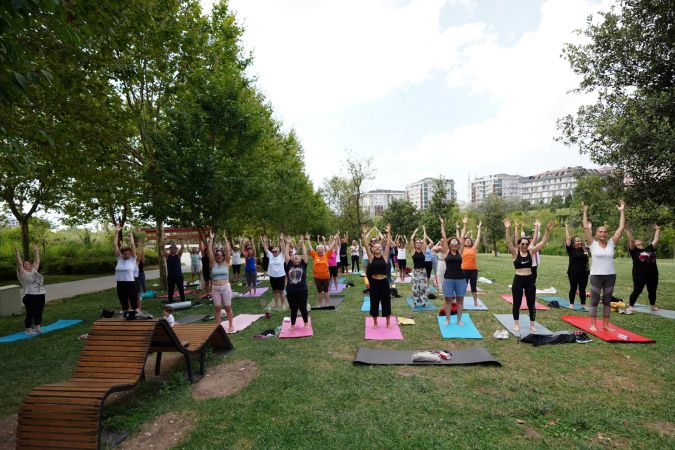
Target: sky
458,88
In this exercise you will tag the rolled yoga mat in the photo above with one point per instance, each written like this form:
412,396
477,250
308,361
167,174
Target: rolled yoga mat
661,312
382,333
618,335
564,303
428,307
21,335
333,303
468,304
258,293
454,331
179,305
507,321
523,305
467,356
300,329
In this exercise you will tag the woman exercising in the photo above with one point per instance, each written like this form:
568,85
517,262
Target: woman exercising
377,277
174,272
355,253
221,291
577,267
469,262
645,272
401,254
33,289
124,271
296,289
250,270
523,280
454,280
321,273
603,274
420,286
276,270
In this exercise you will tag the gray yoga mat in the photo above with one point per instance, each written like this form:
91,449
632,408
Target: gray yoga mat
333,303
192,318
467,356
507,321
661,312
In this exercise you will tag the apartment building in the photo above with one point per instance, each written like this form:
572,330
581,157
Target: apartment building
420,192
502,185
542,187
375,202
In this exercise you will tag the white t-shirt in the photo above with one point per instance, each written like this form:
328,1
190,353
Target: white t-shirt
276,267
124,271
33,283
355,250
602,262
365,253
236,258
401,253
171,320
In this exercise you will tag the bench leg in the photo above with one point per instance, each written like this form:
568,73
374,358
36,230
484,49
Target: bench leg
201,362
188,363
158,363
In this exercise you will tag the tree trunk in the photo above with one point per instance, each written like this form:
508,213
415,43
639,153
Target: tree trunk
160,255
358,211
25,238
494,245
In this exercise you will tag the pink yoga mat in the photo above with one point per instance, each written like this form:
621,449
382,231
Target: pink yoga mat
241,322
523,304
407,280
300,329
258,292
175,294
382,333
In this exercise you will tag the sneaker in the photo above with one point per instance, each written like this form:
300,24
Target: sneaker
582,338
501,334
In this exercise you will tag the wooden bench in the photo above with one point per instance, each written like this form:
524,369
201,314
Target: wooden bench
68,414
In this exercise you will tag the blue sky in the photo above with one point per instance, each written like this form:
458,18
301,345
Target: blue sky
424,87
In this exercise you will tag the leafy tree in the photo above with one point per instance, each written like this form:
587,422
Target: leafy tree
439,206
359,170
403,217
629,64
492,211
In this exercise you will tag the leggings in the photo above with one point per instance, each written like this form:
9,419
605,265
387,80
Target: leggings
173,281
141,282
578,282
34,304
380,293
355,261
401,268
534,274
472,278
127,294
604,283
297,301
523,283
428,265
639,282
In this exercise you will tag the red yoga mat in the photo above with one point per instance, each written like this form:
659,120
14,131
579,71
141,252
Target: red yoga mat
523,304
618,335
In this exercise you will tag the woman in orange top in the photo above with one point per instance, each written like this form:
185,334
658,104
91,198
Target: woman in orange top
321,273
469,261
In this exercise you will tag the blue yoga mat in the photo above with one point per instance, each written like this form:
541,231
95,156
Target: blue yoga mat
342,280
366,304
468,331
428,307
562,302
468,304
661,312
20,335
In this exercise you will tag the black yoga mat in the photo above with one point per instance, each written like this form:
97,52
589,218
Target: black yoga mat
333,303
192,319
467,356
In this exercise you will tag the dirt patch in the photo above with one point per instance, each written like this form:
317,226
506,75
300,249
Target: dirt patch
8,432
169,361
408,372
164,432
225,379
663,428
602,440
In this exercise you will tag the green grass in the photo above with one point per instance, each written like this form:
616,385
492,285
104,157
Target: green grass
309,394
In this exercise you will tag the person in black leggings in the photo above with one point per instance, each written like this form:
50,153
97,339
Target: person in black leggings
378,269
645,272
355,251
577,267
33,290
296,288
523,281
174,272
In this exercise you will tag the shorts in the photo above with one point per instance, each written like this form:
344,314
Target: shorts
251,279
333,271
195,267
278,283
236,269
343,260
454,287
322,285
222,294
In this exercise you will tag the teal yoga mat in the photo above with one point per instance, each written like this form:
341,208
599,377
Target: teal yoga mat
428,307
366,304
59,324
562,302
454,331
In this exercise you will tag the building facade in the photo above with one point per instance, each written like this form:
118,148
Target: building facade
502,185
542,187
420,192
375,202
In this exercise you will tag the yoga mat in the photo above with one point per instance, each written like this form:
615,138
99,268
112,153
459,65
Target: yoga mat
429,306
242,321
192,318
507,321
467,331
179,305
661,312
342,280
618,335
259,292
333,303
564,303
467,356
366,304
300,329
468,304
21,335
176,295
407,280
523,304
340,288
382,333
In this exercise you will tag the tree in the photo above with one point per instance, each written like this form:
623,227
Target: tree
403,217
492,212
359,170
439,206
629,64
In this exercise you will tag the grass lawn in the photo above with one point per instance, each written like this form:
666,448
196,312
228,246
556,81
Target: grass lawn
309,394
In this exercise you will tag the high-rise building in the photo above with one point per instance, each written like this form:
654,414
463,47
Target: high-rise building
10,221
542,187
376,201
420,192
502,185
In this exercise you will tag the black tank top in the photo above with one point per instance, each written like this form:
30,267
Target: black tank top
378,266
453,267
418,260
523,262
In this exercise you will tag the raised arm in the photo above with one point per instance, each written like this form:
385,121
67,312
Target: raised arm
388,244
631,239
132,244
568,238
182,247
36,257
657,235
476,243
622,223
535,232
227,249
309,242
507,238
588,228
19,263
544,239
465,221
364,236
304,249
285,249
116,244
265,244
444,238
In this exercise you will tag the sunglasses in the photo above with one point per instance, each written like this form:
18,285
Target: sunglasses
275,251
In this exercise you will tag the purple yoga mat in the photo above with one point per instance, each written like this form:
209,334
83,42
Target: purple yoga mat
382,333
341,287
259,292
300,329
241,322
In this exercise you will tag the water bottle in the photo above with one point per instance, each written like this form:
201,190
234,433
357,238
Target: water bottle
268,312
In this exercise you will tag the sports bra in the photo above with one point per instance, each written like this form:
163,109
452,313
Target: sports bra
377,266
523,262
418,260
220,272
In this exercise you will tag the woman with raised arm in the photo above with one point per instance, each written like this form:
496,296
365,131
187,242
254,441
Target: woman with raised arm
344,265
33,289
603,274
333,260
401,255
321,273
470,263
124,271
645,272
250,270
276,270
206,263
428,254
454,280
577,268
296,289
536,259
523,281
221,290
380,293
174,271
420,287
355,252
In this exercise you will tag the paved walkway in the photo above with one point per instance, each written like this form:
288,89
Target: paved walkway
72,288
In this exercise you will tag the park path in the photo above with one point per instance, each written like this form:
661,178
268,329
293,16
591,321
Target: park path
72,288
